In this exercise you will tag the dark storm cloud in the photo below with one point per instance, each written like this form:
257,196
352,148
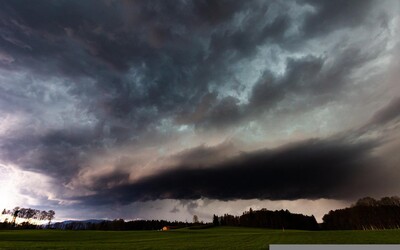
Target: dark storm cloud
334,15
387,113
127,65
244,42
302,74
309,76
342,166
311,169
59,153
178,48
95,44
203,156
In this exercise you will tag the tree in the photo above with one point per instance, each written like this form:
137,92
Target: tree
30,213
43,215
195,219
15,213
366,214
215,220
50,215
367,201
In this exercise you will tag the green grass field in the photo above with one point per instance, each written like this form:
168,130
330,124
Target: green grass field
212,238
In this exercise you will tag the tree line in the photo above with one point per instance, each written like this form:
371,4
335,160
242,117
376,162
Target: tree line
366,214
28,214
281,219
120,225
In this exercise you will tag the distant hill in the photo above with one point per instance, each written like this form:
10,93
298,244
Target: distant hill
83,221
76,224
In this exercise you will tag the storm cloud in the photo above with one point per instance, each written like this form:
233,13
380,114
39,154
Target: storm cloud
129,101
307,170
388,113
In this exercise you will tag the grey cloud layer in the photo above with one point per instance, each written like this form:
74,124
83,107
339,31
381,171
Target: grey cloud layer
88,76
312,170
340,167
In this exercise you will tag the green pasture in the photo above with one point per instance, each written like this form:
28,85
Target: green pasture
211,238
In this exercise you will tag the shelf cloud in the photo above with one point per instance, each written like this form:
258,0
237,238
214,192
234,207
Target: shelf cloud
120,102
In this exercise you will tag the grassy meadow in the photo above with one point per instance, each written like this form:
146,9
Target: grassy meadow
211,238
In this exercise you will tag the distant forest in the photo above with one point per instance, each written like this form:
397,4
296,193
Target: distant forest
282,219
366,214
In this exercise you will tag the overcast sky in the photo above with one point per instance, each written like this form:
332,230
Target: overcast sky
165,109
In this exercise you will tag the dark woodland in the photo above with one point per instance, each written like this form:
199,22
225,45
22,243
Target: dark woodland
282,219
366,214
